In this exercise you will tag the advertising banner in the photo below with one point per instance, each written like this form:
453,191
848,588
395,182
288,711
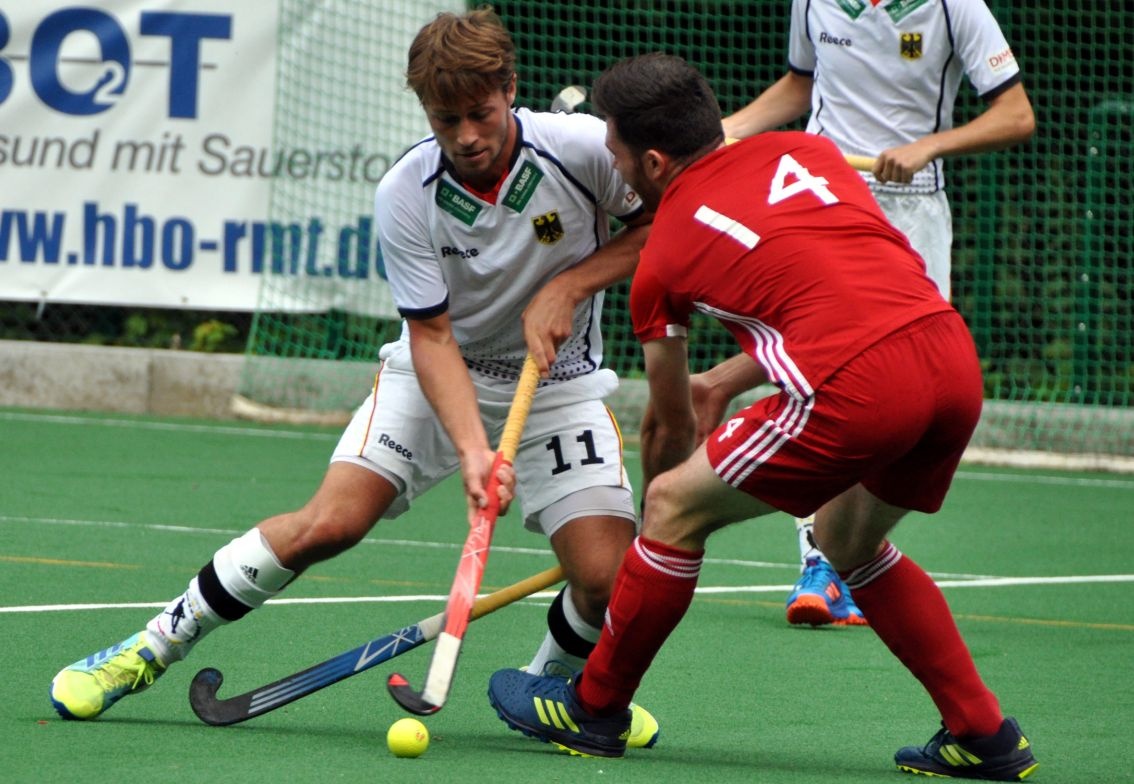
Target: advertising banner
143,160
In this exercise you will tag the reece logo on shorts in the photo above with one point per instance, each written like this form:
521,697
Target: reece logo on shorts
385,440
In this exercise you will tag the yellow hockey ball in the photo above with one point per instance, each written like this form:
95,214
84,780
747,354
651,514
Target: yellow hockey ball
407,738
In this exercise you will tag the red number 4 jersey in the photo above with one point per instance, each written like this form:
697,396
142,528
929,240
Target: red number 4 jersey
782,242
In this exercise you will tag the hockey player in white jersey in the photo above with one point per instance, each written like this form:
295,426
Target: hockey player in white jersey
495,232
881,78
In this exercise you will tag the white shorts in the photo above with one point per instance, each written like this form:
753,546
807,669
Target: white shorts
926,220
571,441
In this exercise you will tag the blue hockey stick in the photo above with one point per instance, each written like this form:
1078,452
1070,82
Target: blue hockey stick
221,712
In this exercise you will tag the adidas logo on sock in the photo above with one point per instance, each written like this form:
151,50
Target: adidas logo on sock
251,572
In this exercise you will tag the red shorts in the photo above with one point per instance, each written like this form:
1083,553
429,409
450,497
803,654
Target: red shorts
896,418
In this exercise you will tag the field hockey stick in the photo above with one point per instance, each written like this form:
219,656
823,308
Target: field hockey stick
569,98
211,710
863,163
470,569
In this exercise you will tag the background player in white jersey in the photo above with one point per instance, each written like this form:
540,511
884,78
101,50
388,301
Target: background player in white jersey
881,78
495,234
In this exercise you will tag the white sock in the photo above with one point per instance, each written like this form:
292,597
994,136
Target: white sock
552,658
174,631
807,546
242,575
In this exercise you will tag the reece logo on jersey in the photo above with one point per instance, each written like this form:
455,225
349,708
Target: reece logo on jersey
835,40
449,250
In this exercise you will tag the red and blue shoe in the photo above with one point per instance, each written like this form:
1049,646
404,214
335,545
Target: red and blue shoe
820,597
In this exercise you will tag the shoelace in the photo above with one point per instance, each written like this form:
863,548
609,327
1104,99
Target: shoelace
533,688
817,576
939,739
114,674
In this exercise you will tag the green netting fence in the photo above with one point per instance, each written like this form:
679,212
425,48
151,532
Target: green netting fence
1042,254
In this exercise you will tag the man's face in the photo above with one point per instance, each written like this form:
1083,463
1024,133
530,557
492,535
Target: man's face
632,169
477,135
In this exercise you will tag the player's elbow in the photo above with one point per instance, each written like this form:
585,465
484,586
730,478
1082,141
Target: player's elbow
1023,124
1012,119
1019,119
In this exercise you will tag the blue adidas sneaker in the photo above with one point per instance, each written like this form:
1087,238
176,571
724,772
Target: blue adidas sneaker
644,728
90,686
821,597
546,708
1005,756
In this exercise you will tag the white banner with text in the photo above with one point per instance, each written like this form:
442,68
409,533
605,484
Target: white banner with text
142,161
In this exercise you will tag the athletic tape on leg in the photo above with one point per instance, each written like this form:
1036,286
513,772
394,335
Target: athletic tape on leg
248,569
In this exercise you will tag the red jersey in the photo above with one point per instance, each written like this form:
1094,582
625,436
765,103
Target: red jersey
781,241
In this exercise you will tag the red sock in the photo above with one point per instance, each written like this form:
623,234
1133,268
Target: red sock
909,612
651,593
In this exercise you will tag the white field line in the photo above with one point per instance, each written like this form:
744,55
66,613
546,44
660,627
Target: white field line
254,432
715,590
179,427
945,580
440,598
980,582
232,532
408,543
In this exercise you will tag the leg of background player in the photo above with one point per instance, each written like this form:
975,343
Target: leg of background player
820,596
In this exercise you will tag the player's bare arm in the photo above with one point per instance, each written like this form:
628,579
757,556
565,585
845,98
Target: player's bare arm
714,389
786,100
548,317
1007,120
445,380
668,436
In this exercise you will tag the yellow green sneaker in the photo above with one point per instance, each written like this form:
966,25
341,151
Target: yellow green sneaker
91,685
644,730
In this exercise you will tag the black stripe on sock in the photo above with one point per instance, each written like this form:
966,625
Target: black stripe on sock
568,639
223,603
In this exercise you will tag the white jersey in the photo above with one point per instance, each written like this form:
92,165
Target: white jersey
447,250
888,74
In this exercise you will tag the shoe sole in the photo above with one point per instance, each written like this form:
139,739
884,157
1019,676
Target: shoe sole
65,714
926,773
930,774
649,744
809,609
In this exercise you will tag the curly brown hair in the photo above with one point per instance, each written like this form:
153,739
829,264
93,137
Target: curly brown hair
460,55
